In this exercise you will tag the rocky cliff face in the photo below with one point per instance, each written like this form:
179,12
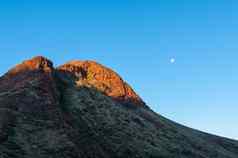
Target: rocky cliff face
85,110
92,74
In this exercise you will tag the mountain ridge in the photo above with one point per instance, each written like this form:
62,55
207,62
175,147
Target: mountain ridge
82,110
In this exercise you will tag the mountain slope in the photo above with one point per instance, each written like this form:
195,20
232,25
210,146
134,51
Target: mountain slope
85,110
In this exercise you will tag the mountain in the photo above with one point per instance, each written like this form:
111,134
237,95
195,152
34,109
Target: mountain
84,110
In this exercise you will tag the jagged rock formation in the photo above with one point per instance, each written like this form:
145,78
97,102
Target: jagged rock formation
85,110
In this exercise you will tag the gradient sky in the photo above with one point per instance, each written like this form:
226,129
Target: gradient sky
137,38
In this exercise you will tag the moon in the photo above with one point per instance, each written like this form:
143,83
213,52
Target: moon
172,60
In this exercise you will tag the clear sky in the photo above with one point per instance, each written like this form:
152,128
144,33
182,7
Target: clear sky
138,39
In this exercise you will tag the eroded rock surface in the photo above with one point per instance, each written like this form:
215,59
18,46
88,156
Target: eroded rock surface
92,74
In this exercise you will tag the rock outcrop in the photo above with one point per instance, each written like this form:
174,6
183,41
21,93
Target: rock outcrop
92,74
36,63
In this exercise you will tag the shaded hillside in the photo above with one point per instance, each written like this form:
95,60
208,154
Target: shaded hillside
85,110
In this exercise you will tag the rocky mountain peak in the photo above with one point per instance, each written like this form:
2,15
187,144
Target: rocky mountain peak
93,74
79,110
36,63
83,73
39,62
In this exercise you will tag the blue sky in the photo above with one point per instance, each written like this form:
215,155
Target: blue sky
137,38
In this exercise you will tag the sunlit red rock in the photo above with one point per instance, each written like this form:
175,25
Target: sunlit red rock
82,110
36,63
92,74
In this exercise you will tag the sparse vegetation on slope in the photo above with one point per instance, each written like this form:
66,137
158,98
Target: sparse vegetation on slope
47,112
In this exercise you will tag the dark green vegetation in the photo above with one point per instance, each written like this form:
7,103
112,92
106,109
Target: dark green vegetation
49,113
